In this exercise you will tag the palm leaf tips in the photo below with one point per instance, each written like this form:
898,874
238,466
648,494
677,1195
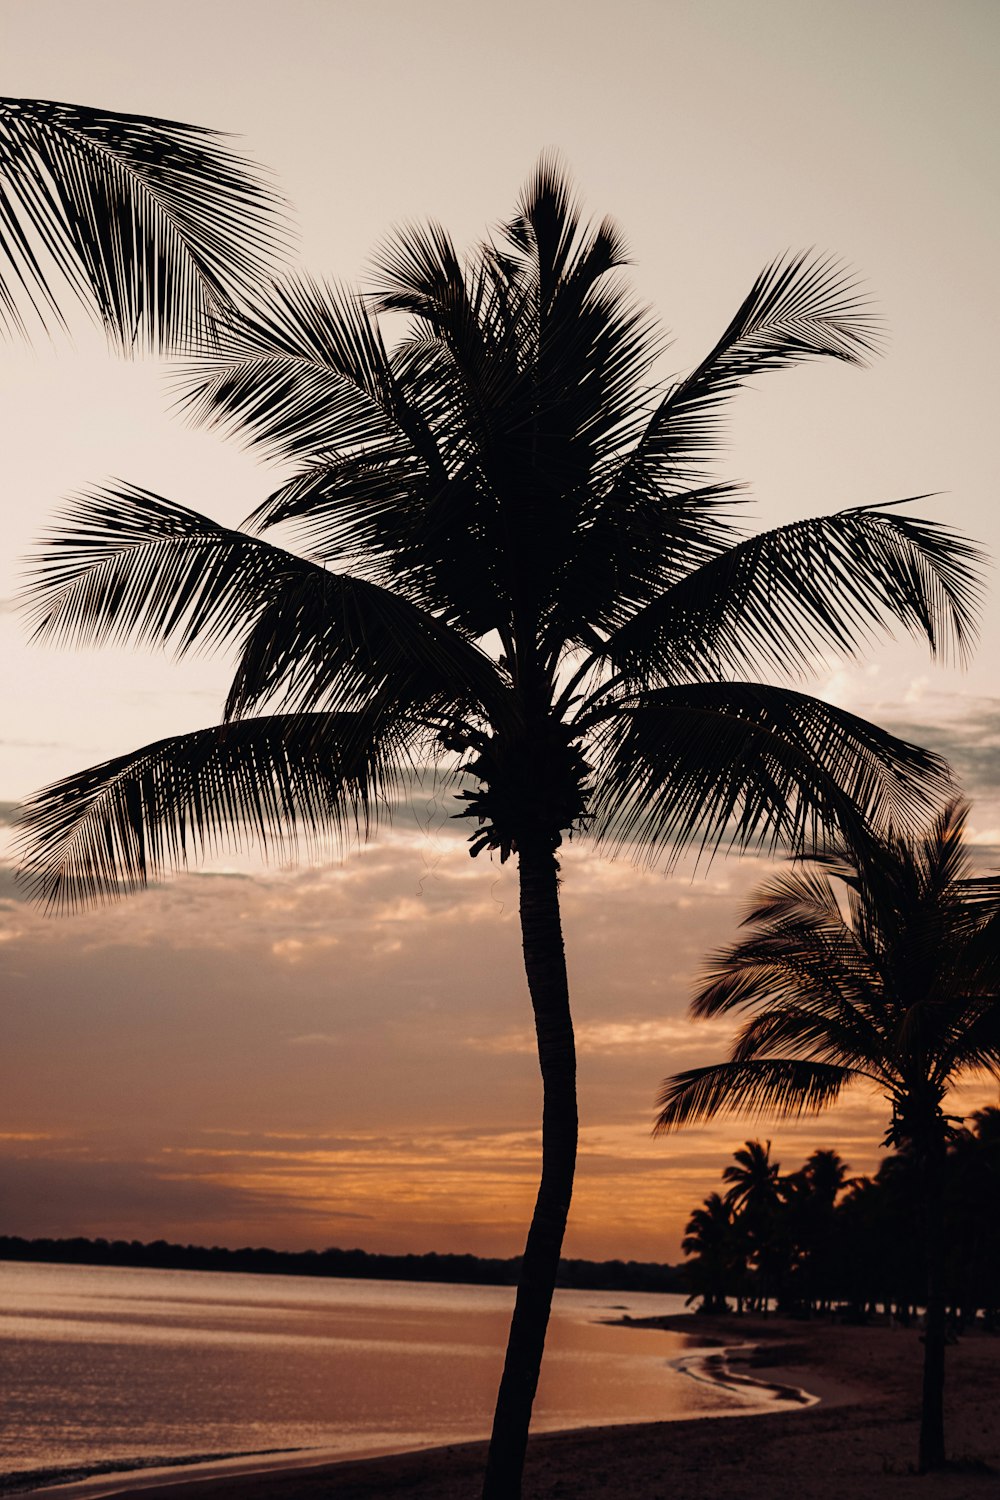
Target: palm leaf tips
111,829
754,1087
154,225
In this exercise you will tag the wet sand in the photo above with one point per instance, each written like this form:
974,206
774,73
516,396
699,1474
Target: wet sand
858,1440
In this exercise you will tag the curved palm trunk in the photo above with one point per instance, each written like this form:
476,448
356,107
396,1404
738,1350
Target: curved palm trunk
545,966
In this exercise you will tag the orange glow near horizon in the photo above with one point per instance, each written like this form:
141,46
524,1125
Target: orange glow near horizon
345,1057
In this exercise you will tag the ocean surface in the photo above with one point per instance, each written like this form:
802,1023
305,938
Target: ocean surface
102,1365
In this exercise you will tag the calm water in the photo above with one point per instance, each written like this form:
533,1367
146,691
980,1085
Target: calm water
100,1363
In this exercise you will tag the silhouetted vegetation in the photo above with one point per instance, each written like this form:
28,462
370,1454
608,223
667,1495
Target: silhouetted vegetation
818,1242
153,226
874,963
468,1270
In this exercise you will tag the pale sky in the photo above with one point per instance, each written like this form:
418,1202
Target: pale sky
343,1056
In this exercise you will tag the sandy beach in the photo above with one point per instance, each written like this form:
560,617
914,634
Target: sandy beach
860,1439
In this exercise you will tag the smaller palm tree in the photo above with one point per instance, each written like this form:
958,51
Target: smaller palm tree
754,1194
827,1174
810,1197
717,1266
878,967
753,1179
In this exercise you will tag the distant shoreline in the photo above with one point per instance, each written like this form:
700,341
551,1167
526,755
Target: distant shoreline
458,1270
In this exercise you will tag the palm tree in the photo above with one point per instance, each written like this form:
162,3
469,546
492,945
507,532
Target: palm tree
755,1195
717,1264
826,1173
518,568
880,967
754,1180
810,1198
154,226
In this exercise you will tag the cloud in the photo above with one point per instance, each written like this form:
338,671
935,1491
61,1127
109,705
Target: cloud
677,1035
967,730
293,950
132,1199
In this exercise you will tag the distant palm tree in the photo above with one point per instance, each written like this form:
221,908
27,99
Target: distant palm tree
810,1197
755,1195
827,1174
881,968
754,1179
520,570
154,226
715,1245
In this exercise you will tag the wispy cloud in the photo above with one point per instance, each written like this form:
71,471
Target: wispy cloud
676,1036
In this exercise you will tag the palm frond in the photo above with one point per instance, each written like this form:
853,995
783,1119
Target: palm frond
825,1033
424,536
129,564
349,506
800,895
750,766
330,641
972,1039
418,270
304,372
782,1086
810,985
799,308
109,830
125,563
808,965
154,225
623,555
785,600
546,228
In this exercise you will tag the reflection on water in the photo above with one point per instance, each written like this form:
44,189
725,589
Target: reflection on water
99,1363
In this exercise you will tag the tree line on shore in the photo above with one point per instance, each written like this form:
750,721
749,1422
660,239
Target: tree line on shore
472,1270
815,1240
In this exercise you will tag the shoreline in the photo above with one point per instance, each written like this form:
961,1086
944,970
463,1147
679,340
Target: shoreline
857,1432
710,1363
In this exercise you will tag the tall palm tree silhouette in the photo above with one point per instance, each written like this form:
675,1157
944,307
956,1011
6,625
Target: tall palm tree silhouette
883,968
519,568
154,226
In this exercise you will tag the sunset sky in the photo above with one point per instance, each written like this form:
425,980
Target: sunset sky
343,1054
